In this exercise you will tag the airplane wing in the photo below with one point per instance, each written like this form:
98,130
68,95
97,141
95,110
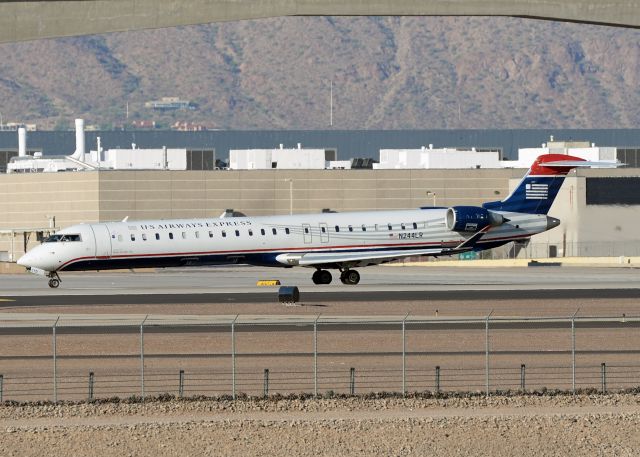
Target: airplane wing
374,256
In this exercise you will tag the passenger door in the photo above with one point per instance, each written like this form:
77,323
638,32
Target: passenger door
102,239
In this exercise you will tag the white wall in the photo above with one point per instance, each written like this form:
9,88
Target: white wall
286,159
392,159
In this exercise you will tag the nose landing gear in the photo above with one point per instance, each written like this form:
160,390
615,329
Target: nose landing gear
54,280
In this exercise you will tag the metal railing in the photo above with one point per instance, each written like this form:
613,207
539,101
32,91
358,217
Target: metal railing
403,366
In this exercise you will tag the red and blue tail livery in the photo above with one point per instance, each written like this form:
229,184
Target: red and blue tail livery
540,186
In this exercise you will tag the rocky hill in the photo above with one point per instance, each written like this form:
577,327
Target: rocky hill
387,72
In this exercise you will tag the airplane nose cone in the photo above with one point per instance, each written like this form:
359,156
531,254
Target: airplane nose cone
24,261
552,222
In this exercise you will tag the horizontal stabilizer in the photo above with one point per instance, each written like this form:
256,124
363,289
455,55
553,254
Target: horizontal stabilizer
583,164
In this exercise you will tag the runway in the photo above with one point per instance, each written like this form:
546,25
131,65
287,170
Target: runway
379,284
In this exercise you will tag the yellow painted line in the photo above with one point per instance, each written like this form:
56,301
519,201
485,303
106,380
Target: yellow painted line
6,299
268,282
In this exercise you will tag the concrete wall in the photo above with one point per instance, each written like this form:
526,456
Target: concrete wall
29,199
28,20
113,195
589,230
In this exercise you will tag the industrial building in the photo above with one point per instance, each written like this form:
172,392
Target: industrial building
599,207
285,159
101,159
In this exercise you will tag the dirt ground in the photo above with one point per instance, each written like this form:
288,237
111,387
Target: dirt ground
498,426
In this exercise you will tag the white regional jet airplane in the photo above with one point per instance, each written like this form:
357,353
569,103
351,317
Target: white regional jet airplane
340,241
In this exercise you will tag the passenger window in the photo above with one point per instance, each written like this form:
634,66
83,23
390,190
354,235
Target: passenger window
286,230
144,237
133,237
250,232
157,236
275,232
119,237
184,235
170,236
197,234
415,226
364,228
402,226
237,232
337,229
350,228
323,229
224,234
390,227
262,232
210,234
306,230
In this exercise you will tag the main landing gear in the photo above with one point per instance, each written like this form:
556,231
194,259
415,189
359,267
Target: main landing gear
321,277
54,280
350,277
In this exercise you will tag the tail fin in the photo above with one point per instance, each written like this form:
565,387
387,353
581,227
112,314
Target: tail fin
538,189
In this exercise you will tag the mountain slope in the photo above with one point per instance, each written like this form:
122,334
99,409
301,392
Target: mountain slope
387,72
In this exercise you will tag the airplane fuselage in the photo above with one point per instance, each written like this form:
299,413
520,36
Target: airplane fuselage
267,241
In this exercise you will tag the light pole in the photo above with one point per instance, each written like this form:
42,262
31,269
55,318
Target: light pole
290,195
429,193
0,120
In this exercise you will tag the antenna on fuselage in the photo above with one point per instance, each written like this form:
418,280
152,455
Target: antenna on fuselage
125,219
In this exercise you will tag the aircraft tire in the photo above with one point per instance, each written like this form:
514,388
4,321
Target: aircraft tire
325,277
350,277
54,283
316,277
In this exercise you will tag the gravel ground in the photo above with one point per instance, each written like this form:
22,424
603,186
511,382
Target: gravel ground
521,425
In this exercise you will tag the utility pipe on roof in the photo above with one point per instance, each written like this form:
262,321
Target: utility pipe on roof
22,142
80,148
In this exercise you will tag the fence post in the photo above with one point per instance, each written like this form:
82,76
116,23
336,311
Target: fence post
315,356
265,392
352,381
522,376
603,373
486,338
55,362
573,351
404,356
181,384
91,386
142,356
233,356
437,379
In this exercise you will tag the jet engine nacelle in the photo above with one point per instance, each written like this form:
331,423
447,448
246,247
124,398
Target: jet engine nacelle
471,218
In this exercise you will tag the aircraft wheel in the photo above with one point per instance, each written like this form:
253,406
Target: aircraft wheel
322,277
54,283
316,277
351,277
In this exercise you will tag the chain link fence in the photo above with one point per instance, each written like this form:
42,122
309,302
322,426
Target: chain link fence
82,359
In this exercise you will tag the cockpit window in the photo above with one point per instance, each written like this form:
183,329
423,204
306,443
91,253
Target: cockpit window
62,238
